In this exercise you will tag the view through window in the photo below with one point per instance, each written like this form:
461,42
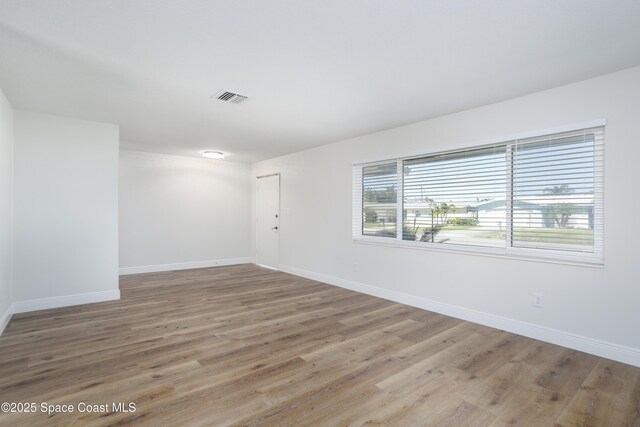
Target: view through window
541,194
379,200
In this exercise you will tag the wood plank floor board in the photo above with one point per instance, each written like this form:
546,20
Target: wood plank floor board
243,345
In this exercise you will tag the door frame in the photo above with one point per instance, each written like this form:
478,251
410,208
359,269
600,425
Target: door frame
278,219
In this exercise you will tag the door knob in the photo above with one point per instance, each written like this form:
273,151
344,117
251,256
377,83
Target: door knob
275,228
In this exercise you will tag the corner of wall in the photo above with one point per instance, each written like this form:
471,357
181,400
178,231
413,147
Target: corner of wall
58,161
8,113
6,317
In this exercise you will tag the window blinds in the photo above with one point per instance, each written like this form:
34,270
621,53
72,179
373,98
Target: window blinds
379,200
557,192
456,198
537,197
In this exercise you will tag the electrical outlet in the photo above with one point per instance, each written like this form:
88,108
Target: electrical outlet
537,300
355,268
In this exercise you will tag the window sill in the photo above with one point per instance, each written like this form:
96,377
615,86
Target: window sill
514,253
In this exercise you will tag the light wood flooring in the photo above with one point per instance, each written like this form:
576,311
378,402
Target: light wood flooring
243,345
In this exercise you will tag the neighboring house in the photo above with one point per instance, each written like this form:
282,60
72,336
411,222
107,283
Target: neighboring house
530,212
567,210
380,212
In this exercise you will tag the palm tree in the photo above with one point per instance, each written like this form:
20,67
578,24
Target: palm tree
561,212
558,189
446,209
435,213
440,212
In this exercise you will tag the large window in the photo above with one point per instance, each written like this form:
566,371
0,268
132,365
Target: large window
537,197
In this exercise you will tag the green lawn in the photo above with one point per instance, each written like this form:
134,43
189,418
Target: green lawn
375,226
577,236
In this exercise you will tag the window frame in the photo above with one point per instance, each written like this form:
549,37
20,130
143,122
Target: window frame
590,259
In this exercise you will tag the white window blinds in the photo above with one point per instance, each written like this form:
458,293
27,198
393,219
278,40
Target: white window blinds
539,197
557,192
456,198
379,200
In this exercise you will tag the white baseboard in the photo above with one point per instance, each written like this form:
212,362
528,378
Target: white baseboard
600,348
4,320
185,265
64,301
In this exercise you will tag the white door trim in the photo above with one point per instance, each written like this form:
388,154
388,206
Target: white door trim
277,220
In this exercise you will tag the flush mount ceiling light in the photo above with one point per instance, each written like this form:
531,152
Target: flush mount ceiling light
216,155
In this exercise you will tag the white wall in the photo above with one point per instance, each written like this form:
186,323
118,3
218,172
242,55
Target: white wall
65,212
181,212
6,209
593,309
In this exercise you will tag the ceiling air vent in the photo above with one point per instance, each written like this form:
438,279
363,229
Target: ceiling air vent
225,96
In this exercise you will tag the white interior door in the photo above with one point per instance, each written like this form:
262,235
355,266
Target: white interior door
268,221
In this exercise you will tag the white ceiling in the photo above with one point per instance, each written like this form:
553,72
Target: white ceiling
315,71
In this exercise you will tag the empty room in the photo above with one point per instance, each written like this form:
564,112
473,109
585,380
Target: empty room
319,213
